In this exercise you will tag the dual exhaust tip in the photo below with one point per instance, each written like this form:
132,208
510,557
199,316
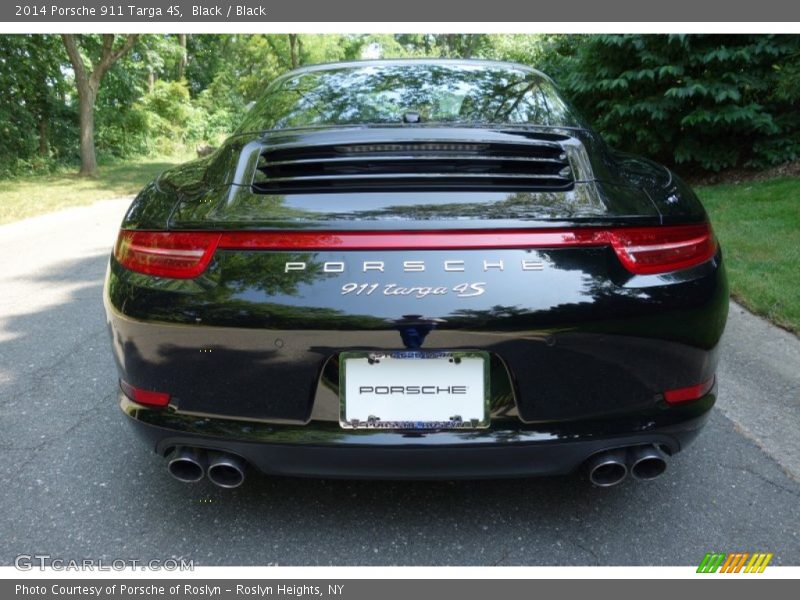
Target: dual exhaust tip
612,466
192,464
606,468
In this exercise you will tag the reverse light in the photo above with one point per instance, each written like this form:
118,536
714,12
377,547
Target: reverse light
144,397
180,255
688,394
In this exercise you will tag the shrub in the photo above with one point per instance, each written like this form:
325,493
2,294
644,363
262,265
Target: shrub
705,101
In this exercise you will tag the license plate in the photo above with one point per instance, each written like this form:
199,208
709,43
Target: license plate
414,390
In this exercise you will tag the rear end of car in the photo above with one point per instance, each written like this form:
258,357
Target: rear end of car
412,302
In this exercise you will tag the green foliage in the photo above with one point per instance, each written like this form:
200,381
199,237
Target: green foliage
550,53
419,45
172,118
705,101
121,133
31,107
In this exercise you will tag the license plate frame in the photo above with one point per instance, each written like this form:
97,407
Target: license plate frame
395,404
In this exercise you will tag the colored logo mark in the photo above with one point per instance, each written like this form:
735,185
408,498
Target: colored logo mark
734,562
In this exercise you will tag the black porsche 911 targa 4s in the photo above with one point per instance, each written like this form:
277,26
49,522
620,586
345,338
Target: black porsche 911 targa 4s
416,269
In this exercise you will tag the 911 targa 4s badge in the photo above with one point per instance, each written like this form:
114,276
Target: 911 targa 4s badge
483,290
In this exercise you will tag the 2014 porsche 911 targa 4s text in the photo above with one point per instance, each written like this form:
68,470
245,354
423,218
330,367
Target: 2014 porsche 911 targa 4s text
416,269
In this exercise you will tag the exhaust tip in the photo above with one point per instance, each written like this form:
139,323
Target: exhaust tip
186,465
608,474
607,468
226,471
647,462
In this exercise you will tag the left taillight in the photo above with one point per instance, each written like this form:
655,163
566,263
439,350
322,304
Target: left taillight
179,255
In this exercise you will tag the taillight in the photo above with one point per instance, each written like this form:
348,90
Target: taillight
181,255
641,250
144,397
688,394
649,250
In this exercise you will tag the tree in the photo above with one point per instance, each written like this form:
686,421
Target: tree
87,81
706,102
32,94
709,102
183,59
293,42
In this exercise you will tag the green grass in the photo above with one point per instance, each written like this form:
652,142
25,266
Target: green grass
758,225
29,196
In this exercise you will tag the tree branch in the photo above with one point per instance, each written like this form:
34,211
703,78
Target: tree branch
110,56
108,44
127,45
75,57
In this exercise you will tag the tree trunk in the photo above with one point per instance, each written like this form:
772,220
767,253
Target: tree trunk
293,49
470,45
151,79
43,149
86,98
447,50
184,58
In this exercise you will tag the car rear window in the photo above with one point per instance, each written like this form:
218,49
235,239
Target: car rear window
393,93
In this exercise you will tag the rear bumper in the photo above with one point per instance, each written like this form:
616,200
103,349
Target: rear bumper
571,345
581,358
507,449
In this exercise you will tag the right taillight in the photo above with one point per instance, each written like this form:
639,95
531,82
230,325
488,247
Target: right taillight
650,250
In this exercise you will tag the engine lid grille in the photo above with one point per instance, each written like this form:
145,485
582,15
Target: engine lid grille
541,164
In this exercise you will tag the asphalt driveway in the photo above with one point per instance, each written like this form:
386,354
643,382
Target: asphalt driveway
77,484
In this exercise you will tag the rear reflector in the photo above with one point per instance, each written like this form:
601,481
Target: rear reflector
144,397
687,394
641,250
